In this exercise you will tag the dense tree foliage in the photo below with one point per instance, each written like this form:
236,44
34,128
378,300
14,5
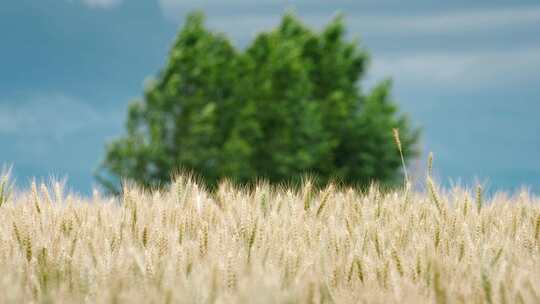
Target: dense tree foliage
289,104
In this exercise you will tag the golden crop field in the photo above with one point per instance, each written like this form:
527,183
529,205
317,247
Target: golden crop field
269,245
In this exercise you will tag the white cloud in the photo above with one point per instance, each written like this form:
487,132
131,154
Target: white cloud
460,69
53,116
449,22
464,21
102,3
176,5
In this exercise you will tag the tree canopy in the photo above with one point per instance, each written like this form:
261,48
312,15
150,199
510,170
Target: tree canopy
289,104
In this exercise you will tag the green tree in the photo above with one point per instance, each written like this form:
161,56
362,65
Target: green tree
290,104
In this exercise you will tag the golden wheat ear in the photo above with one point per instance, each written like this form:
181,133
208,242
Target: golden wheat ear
395,132
430,164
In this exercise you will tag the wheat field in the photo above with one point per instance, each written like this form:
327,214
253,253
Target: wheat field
269,245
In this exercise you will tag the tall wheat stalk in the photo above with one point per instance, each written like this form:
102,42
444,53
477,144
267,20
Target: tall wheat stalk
397,140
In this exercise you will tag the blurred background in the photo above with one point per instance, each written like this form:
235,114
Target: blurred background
466,72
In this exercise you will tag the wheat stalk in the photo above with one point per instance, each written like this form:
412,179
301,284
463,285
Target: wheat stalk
397,140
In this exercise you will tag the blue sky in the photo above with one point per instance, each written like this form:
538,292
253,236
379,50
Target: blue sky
467,72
